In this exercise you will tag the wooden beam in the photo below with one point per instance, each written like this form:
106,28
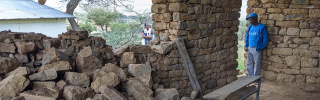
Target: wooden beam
187,63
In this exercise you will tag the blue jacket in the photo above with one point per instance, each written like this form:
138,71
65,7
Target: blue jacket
262,40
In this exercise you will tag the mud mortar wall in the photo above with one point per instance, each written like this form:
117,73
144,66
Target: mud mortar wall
208,28
292,54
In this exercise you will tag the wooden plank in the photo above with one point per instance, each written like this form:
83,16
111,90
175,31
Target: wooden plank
223,92
241,93
187,63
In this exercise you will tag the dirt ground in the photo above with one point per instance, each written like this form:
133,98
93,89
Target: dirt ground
279,91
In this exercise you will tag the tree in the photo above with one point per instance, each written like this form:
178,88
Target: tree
101,17
70,9
242,30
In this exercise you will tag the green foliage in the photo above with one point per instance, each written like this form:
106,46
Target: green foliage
101,17
242,30
241,55
87,26
121,34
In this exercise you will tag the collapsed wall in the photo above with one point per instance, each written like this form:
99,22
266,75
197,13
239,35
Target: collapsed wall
74,66
208,28
292,54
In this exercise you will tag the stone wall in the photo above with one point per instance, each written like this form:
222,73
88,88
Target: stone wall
208,28
292,54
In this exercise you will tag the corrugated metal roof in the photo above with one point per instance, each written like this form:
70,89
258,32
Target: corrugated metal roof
27,9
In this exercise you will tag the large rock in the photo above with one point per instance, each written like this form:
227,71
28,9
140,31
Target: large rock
163,47
74,35
12,86
127,58
87,60
111,93
77,79
4,47
99,97
77,93
138,90
58,66
46,84
120,51
139,48
51,43
146,80
98,73
49,74
110,79
113,68
19,71
312,88
61,84
139,69
42,94
21,57
25,47
7,65
53,55
168,94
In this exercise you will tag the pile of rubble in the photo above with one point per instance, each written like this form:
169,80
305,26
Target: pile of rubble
75,67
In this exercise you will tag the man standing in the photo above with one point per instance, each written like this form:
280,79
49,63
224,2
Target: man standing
147,34
256,41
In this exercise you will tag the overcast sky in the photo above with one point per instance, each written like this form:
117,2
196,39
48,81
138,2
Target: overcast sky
139,6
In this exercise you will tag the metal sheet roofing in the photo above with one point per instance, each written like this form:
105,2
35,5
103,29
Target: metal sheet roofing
27,9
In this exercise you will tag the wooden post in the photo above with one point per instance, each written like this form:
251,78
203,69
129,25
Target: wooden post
188,66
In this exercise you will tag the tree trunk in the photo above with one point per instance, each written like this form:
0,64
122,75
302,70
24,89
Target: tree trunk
101,27
70,8
106,28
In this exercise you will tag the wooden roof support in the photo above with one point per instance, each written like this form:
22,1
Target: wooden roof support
187,63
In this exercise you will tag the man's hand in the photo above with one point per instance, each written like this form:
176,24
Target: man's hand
245,49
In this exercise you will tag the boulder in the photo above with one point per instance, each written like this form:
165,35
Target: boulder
49,74
186,98
138,90
194,94
53,55
68,51
140,48
25,47
127,58
87,59
110,79
7,65
120,51
139,69
42,94
51,43
58,66
163,47
111,93
77,79
12,85
74,35
77,93
146,80
47,84
61,84
4,47
98,73
19,71
21,57
114,68
99,97
168,94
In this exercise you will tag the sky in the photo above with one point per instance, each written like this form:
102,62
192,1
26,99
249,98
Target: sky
139,6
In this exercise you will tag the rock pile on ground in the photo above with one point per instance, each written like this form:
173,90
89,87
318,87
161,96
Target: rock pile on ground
75,66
